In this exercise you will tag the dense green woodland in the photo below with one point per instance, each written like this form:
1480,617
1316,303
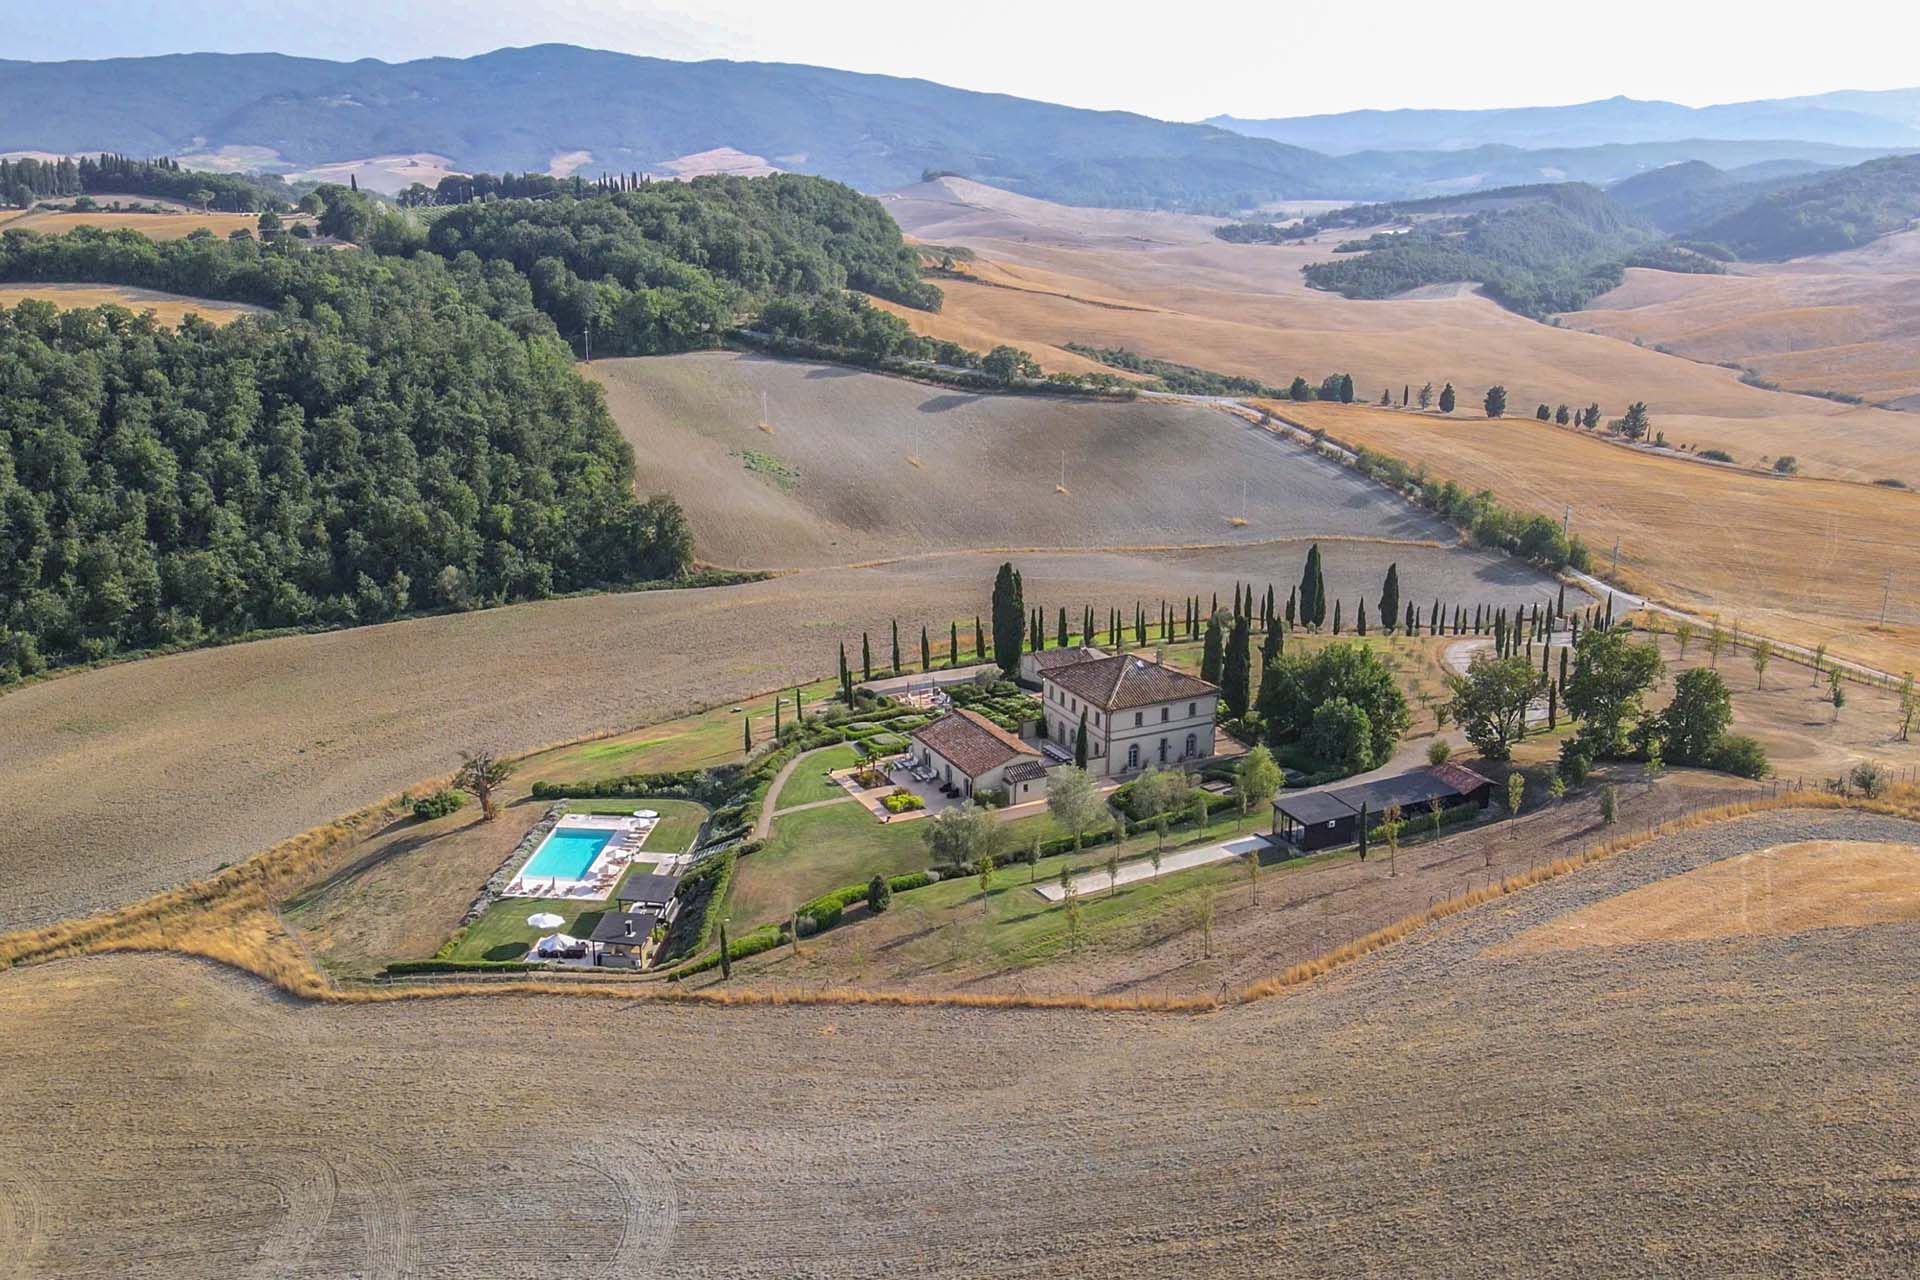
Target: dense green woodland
1837,211
25,180
382,444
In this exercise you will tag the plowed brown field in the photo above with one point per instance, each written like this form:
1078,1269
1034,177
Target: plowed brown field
1713,1107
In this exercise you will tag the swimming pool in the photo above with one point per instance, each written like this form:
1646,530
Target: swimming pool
567,853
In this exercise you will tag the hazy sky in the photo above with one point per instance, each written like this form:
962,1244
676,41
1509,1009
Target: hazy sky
1179,60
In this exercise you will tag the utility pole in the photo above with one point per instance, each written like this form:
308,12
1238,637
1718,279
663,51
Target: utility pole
1886,595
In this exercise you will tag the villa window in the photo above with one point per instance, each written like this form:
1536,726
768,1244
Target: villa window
1193,708
1193,745
1133,756
1163,751
1139,718
1166,713
1096,719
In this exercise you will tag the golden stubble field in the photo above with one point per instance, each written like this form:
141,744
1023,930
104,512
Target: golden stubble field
1845,322
1796,559
157,226
169,308
1163,285
1717,1107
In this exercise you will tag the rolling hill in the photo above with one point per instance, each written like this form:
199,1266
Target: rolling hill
534,108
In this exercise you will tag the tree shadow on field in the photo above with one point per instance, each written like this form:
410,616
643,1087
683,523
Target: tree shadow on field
941,404
832,371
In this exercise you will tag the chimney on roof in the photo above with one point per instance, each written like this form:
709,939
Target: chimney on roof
629,928
1160,656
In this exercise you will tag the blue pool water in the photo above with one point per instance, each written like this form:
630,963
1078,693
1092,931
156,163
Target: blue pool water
566,853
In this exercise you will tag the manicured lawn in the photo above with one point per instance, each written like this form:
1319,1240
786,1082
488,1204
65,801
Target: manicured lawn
950,923
503,933
816,850
697,741
810,782
679,820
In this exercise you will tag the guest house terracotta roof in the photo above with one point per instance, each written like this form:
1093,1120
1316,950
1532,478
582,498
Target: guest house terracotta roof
972,743
1054,659
1116,684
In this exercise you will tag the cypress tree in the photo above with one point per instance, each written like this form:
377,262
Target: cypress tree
779,701
953,644
1309,576
1546,652
1553,707
746,733
1360,619
1009,617
1413,619
1563,665
1476,618
1139,624
896,646
1060,641
1271,647
1236,683
979,640
1292,598
1390,597
1433,619
1560,606
1080,743
1336,617
1210,654
843,669
926,651
866,658
1319,595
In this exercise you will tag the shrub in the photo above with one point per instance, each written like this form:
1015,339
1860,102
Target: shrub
1716,455
902,801
1868,778
1575,762
1439,752
879,894
438,805
1786,464
1739,755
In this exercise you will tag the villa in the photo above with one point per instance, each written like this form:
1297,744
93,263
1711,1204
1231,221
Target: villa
1138,712
970,753
1034,666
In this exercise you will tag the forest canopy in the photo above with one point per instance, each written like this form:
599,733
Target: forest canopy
397,436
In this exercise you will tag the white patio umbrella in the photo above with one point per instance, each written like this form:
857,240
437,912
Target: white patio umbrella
645,813
546,920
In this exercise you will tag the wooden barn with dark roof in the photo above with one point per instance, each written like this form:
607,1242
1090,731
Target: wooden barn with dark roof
1329,818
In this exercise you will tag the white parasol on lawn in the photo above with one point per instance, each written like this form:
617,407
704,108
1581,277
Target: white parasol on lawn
546,920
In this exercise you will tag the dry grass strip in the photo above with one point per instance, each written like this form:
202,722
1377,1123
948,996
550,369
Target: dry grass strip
230,919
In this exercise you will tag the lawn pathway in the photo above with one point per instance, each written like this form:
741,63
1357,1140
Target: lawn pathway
763,825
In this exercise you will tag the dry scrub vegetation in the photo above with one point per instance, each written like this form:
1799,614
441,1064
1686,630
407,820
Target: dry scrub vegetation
1771,1132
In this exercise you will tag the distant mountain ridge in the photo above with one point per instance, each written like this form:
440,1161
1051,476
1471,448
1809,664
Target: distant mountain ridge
1886,119
570,110
523,109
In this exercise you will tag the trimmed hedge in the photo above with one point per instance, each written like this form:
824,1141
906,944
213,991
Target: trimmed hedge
401,967
438,805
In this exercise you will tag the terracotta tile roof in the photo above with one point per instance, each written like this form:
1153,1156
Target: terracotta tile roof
1054,659
972,743
1458,776
1026,771
1116,684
